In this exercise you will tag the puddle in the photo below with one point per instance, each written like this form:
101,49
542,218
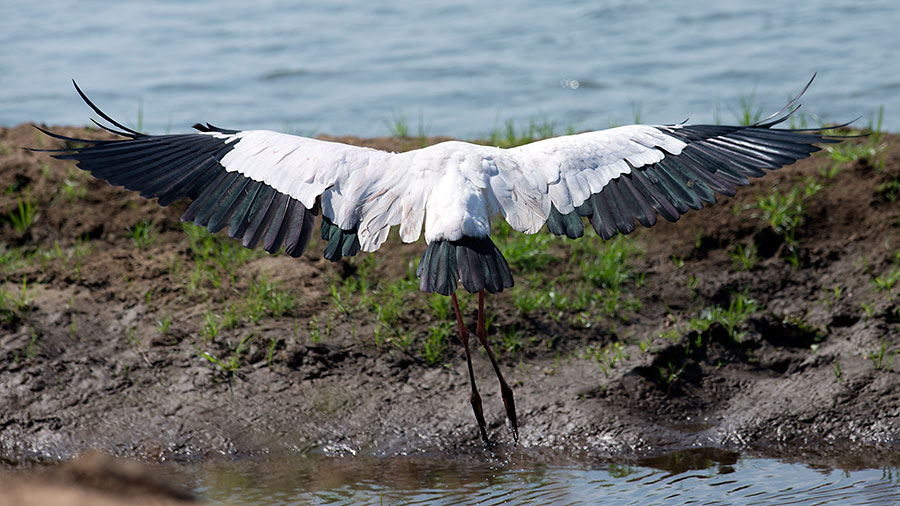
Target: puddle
709,477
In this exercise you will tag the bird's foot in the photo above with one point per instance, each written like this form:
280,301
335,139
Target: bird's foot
510,404
479,417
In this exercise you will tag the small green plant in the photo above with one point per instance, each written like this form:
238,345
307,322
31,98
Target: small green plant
739,309
265,298
784,212
399,127
212,324
868,309
616,303
890,189
271,353
440,306
693,283
670,373
73,190
230,366
833,295
607,263
231,316
141,234
673,334
844,153
13,308
22,218
882,359
436,342
132,337
528,301
511,340
646,344
527,252
140,115
342,299
315,330
607,356
799,120
72,258
888,280
388,304
837,372
509,136
402,339
749,113
677,261
11,259
214,256
744,257
164,324
876,134
31,350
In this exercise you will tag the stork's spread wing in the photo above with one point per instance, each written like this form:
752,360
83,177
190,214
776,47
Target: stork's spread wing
618,176
266,187
621,175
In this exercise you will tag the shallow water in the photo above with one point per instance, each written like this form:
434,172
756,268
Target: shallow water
709,477
343,67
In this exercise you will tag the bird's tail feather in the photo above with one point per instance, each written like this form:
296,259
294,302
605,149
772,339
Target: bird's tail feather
475,262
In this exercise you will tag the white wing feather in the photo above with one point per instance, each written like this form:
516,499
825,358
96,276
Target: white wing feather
453,187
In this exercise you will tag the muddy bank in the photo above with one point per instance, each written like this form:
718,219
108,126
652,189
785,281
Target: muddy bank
122,333
91,480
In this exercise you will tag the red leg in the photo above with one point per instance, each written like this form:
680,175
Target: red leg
475,399
505,390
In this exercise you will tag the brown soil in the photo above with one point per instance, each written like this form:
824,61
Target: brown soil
84,365
91,480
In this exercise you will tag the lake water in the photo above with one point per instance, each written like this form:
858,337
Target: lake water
707,477
456,68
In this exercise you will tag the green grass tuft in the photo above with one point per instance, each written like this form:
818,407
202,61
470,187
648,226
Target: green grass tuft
887,280
785,212
526,252
744,257
732,317
216,257
23,217
436,342
265,298
142,234
607,356
882,358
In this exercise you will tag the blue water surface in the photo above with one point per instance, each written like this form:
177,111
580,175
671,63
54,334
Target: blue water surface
688,477
458,68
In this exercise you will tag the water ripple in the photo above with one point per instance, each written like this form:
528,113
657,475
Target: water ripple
462,480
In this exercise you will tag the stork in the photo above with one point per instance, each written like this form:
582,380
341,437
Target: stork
268,188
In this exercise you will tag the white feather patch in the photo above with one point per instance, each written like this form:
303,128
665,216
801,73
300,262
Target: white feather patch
454,187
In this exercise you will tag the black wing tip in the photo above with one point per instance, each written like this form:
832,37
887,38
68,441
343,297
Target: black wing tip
126,132
791,108
67,150
200,127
